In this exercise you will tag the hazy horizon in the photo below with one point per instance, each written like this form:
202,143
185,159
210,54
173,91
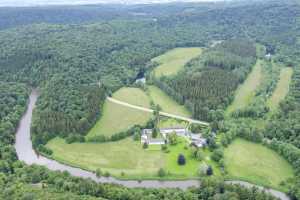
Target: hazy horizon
21,3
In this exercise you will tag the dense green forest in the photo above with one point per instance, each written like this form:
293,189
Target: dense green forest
208,82
76,61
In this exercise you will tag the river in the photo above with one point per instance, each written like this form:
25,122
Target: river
27,154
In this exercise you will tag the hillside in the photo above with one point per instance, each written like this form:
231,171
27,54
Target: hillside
235,66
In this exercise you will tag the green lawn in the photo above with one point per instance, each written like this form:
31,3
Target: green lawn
134,96
174,60
165,122
257,164
123,156
246,91
167,103
127,156
282,87
116,118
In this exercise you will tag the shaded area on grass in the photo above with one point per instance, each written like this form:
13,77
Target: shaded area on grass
257,164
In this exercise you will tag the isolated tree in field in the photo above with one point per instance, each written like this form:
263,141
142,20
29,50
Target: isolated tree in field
181,159
209,171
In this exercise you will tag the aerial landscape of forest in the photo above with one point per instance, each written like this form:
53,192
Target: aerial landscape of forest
143,100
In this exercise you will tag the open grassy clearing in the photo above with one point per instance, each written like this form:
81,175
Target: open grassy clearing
116,118
282,88
167,103
129,157
123,156
257,164
174,60
134,96
246,91
171,123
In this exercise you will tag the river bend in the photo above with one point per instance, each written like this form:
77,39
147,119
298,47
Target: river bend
27,154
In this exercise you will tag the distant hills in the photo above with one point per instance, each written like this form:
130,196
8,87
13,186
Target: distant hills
20,3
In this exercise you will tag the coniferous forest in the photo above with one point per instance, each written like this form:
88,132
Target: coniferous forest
76,59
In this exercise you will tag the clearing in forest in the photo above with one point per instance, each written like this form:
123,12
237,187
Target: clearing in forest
246,91
167,103
257,164
282,87
174,60
116,118
128,159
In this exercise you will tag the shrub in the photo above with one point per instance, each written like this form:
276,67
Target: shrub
98,173
181,159
145,145
43,149
164,147
107,174
173,138
199,156
161,172
202,171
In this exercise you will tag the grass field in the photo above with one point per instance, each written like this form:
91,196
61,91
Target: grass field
174,60
257,164
116,118
282,88
129,157
123,156
246,91
133,96
167,104
171,123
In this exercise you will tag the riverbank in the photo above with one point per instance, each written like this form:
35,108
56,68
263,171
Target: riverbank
27,154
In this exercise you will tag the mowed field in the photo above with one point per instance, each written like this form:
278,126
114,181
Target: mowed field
246,91
134,96
122,156
257,164
167,103
116,118
127,156
174,60
282,88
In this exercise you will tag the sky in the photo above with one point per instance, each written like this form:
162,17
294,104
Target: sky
81,2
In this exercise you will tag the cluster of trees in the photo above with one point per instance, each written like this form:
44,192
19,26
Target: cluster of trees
13,100
67,61
208,82
292,154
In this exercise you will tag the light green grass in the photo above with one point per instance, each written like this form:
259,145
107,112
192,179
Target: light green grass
129,157
246,91
282,88
257,164
116,118
134,96
171,123
123,156
174,60
166,103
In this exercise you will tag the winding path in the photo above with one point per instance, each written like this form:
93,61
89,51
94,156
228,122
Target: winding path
161,113
27,154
